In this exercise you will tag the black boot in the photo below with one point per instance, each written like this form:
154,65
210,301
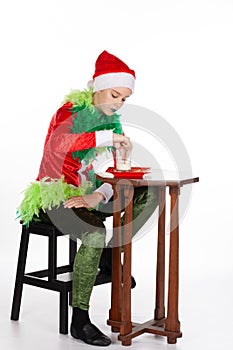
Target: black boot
105,266
82,328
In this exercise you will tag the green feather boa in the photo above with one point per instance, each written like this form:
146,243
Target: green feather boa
86,118
80,98
47,195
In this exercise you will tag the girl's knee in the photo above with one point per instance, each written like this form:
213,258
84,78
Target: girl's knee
94,239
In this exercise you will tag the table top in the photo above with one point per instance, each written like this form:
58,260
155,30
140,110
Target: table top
151,179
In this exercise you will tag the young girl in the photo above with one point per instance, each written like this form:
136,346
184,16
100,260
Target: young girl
66,192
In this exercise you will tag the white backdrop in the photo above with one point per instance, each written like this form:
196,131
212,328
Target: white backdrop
182,53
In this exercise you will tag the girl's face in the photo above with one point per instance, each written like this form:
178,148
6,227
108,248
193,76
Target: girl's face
109,101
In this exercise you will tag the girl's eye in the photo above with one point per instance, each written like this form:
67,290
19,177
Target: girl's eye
114,96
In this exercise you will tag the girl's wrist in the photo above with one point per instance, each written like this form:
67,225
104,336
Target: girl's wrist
101,196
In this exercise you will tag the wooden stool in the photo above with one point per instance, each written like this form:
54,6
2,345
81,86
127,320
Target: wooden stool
52,274
49,278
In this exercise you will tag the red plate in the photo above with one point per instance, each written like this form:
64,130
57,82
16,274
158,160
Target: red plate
134,173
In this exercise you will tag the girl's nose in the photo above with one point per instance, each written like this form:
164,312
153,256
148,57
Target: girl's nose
118,104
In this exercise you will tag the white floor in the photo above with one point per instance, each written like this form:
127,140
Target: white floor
205,313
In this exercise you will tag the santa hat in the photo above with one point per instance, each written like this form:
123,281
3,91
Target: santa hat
111,72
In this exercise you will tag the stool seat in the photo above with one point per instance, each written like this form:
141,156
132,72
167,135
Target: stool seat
57,278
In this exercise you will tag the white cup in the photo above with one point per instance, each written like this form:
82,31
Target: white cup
123,160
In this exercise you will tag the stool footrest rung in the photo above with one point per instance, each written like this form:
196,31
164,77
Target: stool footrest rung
45,273
59,286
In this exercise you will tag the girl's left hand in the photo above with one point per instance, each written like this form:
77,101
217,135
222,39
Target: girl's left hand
86,201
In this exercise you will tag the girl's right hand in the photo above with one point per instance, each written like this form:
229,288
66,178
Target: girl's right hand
120,141
124,145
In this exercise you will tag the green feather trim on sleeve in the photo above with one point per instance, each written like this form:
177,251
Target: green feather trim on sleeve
46,194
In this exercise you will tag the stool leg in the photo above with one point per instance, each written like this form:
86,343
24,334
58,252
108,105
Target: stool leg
52,257
63,322
70,298
72,254
20,274
72,250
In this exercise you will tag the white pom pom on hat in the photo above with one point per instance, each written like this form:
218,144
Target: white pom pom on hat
111,72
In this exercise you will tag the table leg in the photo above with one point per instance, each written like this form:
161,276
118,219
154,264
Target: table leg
172,322
160,273
126,323
116,293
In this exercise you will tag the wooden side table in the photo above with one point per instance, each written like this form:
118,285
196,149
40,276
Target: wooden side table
120,312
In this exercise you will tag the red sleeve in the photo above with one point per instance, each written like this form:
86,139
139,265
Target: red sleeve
60,137
62,142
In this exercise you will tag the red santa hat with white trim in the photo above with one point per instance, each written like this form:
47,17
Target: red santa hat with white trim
111,72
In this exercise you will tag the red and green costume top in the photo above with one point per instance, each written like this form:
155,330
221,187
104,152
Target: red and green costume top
72,138
72,143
